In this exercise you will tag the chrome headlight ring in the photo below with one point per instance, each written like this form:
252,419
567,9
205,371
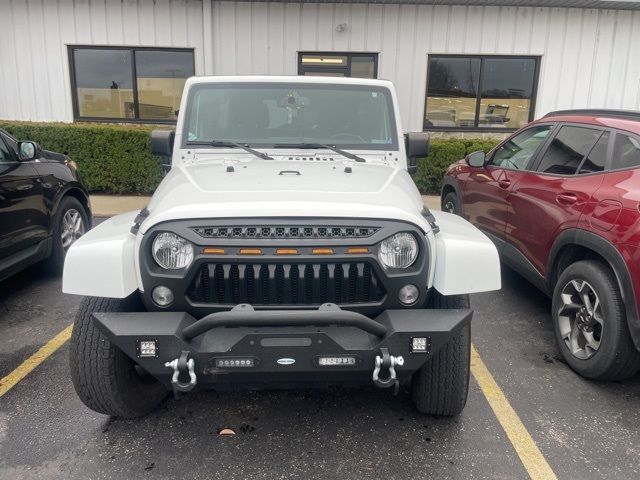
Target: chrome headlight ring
171,251
398,251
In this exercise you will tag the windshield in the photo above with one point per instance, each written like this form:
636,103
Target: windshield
264,115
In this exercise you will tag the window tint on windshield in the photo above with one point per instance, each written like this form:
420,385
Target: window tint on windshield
626,152
597,156
516,153
567,149
267,115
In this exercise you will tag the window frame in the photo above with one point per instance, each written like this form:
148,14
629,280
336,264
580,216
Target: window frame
476,127
349,56
553,128
4,136
134,78
559,126
390,147
612,137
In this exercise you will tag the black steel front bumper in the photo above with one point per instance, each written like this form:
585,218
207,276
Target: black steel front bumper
284,346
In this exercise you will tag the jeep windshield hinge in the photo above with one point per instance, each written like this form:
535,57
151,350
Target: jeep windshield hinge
386,364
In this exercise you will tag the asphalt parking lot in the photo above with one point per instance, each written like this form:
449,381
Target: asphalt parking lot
584,430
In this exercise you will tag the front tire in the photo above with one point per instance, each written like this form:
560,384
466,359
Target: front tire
441,386
70,222
451,203
590,323
106,380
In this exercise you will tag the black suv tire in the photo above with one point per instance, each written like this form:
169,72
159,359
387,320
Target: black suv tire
56,260
441,386
616,358
106,379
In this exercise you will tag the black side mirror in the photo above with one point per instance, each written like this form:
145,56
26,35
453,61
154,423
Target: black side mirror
476,159
28,151
417,146
162,145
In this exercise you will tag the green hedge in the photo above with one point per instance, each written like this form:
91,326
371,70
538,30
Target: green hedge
117,158
442,153
111,158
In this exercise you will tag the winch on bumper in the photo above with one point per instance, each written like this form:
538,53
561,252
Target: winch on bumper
281,348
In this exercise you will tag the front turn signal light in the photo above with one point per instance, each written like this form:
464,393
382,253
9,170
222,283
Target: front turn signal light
214,251
250,251
322,251
287,251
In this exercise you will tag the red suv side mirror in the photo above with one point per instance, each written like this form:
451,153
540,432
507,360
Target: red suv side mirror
476,159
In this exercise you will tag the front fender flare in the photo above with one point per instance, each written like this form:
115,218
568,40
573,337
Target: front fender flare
101,263
615,260
466,261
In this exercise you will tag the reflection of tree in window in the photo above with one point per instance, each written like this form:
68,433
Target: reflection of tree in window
105,85
443,80
452,92
458,96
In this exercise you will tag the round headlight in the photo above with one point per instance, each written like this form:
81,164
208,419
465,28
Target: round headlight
398,251
171,251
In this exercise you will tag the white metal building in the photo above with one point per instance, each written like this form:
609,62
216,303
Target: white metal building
458,65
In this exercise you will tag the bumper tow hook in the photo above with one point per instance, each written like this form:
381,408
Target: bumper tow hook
182,366
387,363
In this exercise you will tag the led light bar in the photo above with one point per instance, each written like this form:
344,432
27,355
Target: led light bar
250,251
420,344
147,348
322,251
287,251
235,362
337,361
214,251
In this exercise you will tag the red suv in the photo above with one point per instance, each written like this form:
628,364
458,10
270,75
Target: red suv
560,198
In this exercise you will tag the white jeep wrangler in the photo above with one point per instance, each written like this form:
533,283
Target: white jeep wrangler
286,247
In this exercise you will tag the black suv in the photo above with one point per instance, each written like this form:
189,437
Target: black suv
44,207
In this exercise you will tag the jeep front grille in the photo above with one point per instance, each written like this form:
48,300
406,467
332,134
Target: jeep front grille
286,284
295,232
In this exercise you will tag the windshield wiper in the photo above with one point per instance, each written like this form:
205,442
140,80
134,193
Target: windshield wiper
224,143
339,151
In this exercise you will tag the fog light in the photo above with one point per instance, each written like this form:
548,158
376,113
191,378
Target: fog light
408,294
235,362
162,296
419,345
337,361
147,348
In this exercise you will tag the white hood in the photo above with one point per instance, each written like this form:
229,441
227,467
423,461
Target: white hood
285,188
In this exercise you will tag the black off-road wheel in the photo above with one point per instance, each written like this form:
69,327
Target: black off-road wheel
106,380
70,222
590,323
441,386
451,203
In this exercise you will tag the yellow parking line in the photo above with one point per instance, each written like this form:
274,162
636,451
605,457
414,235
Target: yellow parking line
8,382
529,453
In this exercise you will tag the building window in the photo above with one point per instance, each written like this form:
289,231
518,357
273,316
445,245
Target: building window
480,92
361,65
128,84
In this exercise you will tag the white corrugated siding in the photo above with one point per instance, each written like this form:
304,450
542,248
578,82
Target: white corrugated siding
34,64
590,58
